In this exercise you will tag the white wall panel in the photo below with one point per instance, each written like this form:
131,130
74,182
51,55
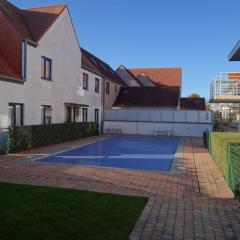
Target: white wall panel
167,116
179,116
148,128
192,116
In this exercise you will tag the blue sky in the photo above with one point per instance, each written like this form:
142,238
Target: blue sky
196,35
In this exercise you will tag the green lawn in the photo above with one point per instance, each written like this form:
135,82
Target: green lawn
32,213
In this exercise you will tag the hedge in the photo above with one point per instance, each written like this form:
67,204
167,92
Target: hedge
218,144
219,148
28,137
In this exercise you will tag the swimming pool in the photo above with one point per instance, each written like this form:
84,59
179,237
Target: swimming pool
128,152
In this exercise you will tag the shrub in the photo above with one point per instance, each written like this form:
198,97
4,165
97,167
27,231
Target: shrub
219,143
226,157
27,137
234,167
205,139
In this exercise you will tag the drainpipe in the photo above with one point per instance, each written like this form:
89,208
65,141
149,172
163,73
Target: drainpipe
103,104
179,98
24,60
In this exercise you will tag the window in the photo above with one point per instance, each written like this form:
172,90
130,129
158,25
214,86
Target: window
84,114
96,115
107,88
72,114
15,114
46,114
97,85
75,114
116,88
85,81
46,68
68,114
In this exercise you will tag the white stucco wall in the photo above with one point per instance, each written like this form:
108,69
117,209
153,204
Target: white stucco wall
149,128
59,44
147,121
109,99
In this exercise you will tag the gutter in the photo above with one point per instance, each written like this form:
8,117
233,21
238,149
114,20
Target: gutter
30,42
11,79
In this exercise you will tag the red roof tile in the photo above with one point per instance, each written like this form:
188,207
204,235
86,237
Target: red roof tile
193,103
147,97
163,77
39,20
6,69
21,24
55,9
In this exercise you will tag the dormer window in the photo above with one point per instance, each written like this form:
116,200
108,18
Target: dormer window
46,68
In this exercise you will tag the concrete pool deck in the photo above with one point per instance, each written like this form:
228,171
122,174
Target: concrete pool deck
193,204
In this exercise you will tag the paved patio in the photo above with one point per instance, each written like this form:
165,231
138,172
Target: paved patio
196,204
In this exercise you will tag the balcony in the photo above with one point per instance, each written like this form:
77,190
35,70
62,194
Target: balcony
225,88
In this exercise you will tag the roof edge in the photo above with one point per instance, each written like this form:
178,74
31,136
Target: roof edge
234,50
131,75
11,79
48,28
56,5
143,74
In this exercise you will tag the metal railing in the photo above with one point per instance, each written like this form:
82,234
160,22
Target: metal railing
225,84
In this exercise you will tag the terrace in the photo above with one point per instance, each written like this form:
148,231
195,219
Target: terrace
225,88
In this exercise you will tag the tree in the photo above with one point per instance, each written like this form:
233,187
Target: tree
194,95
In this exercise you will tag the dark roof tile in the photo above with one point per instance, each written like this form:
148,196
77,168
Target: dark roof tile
21,24
147,97
102,67
193,103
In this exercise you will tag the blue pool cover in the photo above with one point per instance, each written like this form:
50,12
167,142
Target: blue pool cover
129,152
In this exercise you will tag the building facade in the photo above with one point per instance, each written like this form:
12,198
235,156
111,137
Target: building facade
51,86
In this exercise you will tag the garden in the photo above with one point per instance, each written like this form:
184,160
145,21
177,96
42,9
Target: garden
32,212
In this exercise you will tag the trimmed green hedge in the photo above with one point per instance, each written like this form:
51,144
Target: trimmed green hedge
28,137
218,144
219,148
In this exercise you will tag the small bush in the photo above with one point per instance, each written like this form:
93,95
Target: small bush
205,139
27,137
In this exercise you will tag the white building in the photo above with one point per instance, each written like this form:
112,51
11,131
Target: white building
46,77
44,74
